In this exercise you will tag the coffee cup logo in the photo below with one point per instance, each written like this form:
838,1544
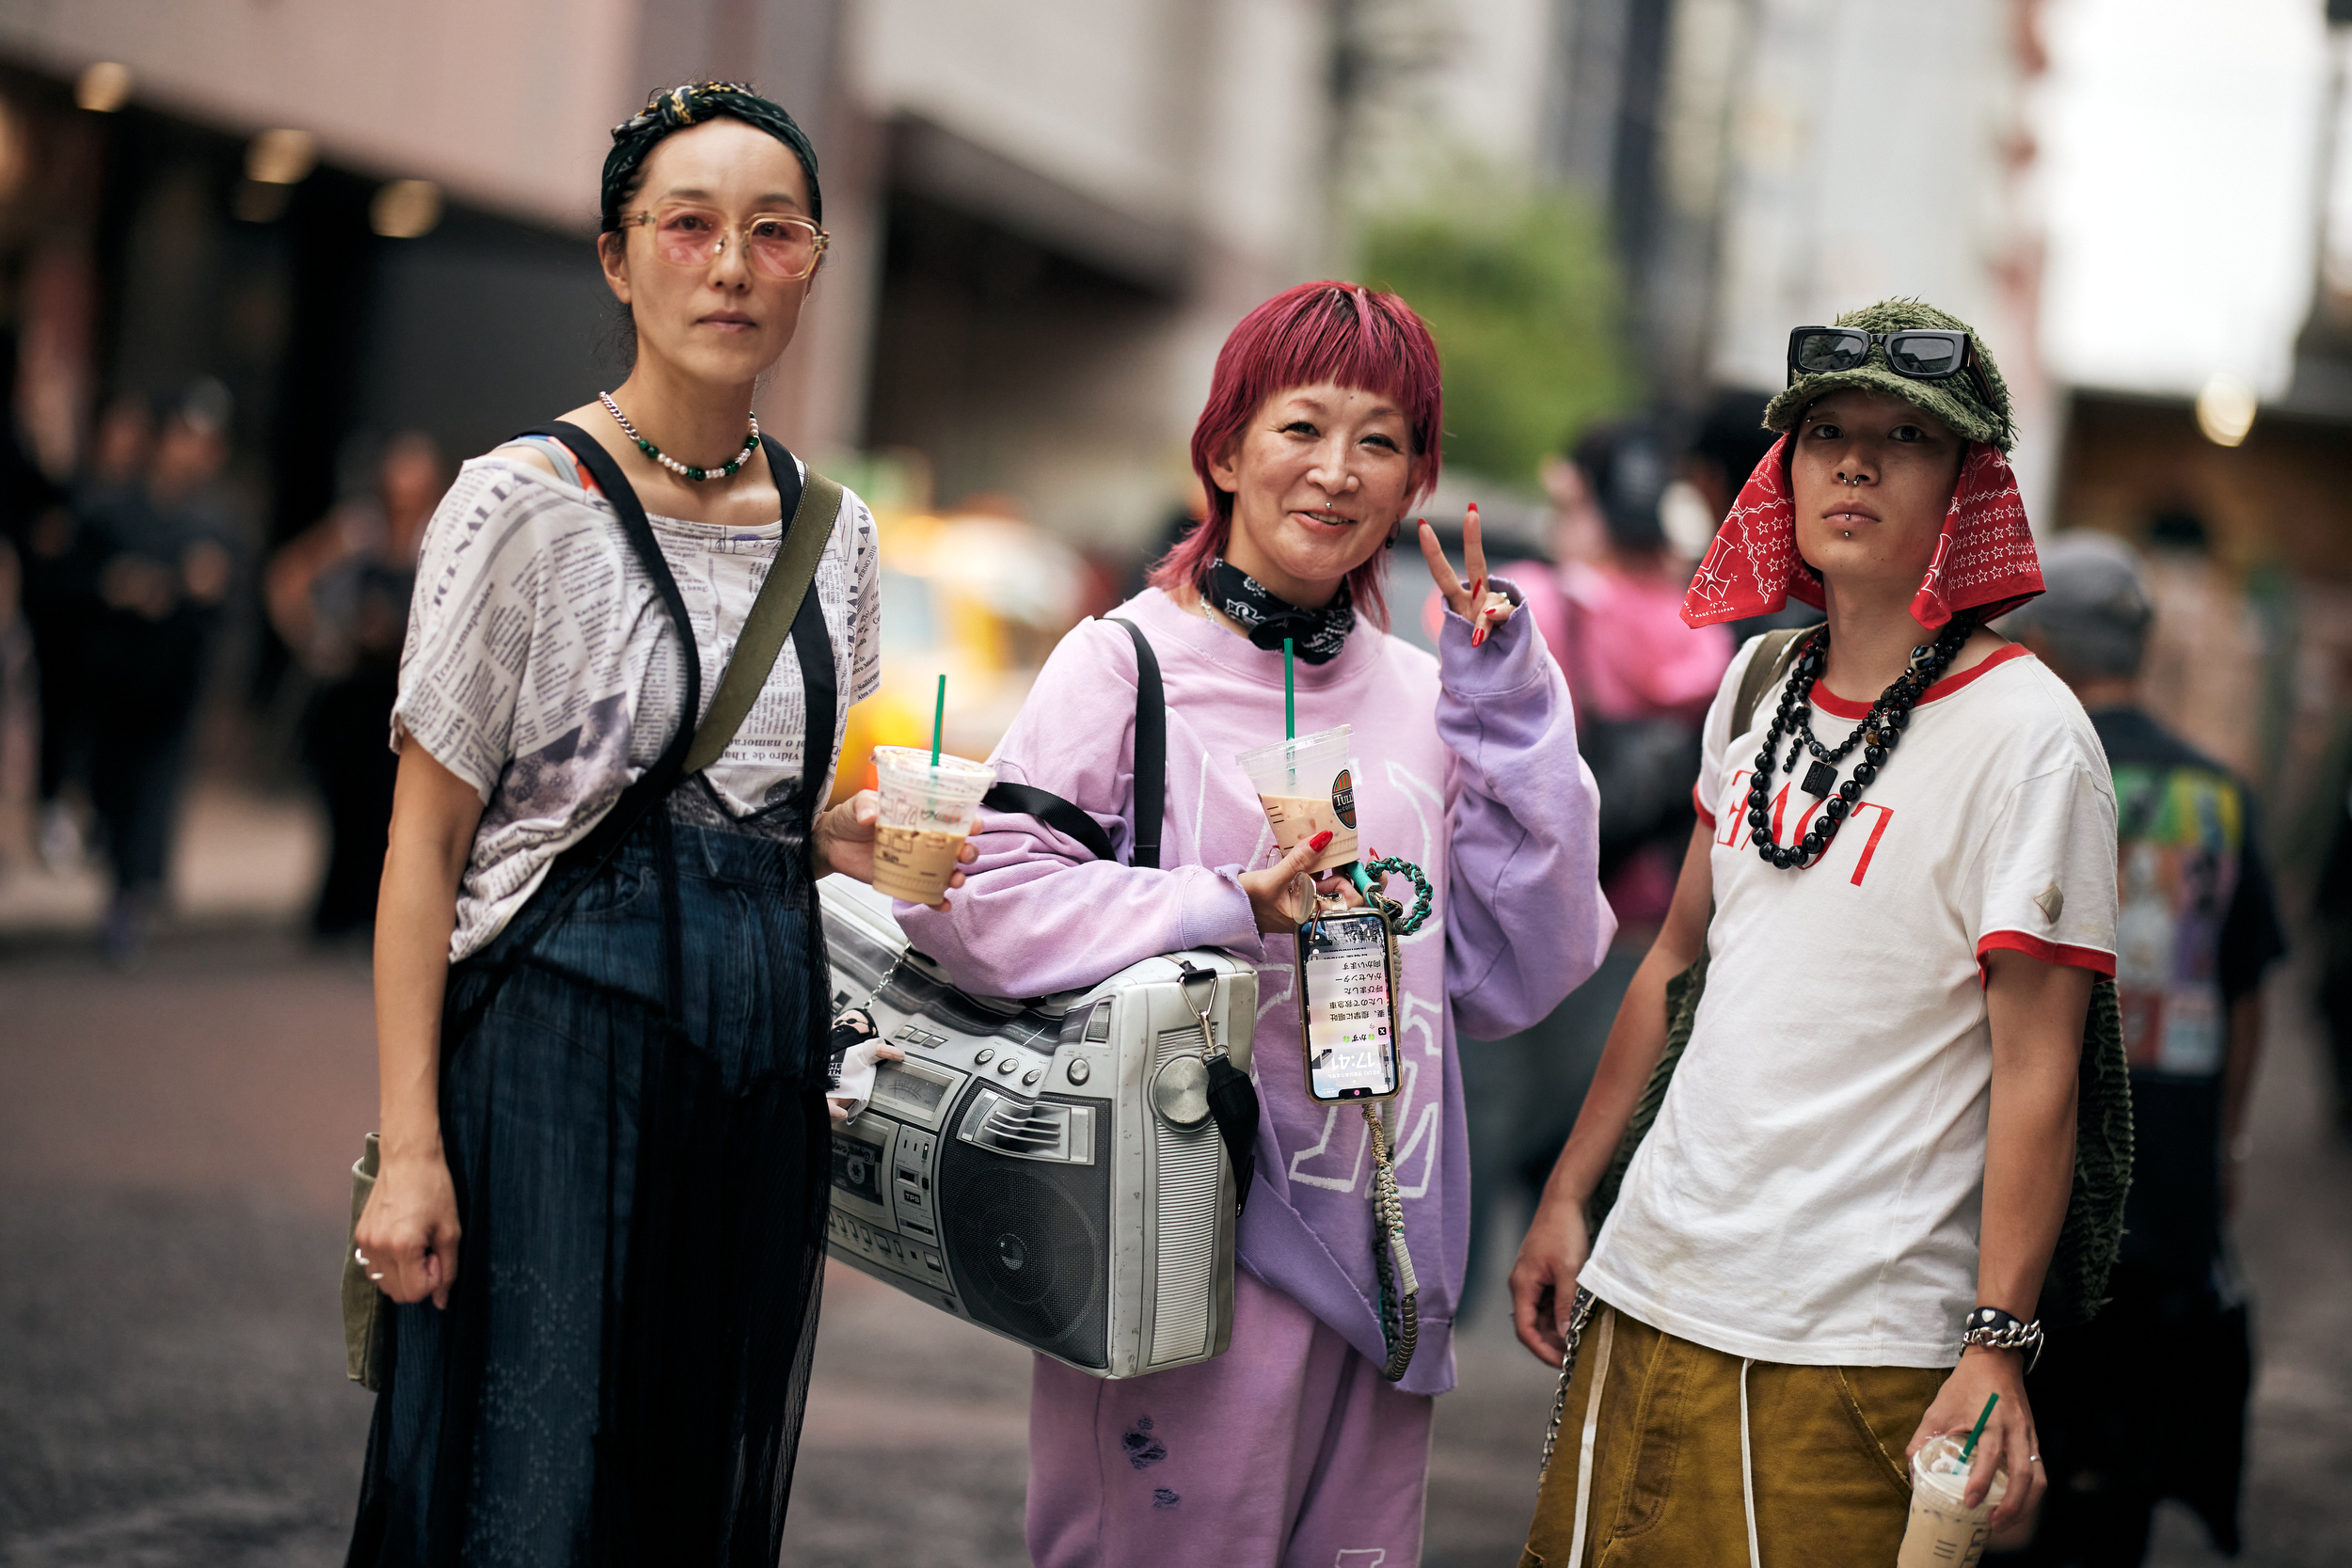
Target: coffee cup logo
1344,796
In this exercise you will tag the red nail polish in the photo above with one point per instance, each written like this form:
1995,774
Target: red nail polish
1319,842
1478,635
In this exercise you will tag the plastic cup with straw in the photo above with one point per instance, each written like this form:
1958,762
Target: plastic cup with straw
1305,782
1943,1531
929,805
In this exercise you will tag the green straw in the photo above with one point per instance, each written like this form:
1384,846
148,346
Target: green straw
1290,696
939,716
1970,1447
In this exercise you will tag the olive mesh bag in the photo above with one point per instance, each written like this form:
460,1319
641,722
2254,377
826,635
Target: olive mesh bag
2075,1288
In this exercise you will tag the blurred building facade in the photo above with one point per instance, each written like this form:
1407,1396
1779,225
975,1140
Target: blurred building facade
1047,214
1045,217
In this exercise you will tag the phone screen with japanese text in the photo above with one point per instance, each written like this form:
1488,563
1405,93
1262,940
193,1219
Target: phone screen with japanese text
1347,987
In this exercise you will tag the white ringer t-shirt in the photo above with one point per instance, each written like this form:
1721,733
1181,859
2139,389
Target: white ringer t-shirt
1810,1193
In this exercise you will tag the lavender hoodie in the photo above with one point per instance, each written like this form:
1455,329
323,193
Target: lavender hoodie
1465,765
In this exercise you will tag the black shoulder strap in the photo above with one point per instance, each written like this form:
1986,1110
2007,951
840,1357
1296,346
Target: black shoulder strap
1150,746
1151,773
654,783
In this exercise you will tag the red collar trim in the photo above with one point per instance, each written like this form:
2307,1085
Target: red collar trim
1832,704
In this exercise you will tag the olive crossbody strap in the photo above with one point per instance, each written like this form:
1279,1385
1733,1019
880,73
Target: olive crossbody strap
773,613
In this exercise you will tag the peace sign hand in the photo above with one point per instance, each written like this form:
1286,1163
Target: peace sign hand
1473,601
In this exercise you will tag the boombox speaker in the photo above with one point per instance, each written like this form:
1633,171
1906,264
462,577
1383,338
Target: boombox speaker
1042,1168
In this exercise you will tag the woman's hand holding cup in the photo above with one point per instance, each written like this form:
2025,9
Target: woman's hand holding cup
845,842
1485,608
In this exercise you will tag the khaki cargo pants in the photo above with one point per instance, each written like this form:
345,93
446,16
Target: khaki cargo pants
1823,1459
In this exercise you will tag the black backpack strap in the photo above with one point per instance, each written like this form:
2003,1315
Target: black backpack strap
1151,773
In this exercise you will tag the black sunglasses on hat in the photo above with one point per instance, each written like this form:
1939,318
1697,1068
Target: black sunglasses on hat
1918,354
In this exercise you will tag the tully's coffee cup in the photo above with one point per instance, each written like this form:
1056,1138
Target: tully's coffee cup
1308,786
1944,1532
928,809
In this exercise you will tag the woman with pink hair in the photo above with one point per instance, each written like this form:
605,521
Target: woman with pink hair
1321,431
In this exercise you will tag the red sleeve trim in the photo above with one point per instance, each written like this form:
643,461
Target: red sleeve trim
1700,806
2048,952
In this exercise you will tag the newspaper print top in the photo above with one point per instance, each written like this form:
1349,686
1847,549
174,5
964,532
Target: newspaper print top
540,666
1984,558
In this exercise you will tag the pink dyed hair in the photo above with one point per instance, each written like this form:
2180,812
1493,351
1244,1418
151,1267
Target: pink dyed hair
1340,334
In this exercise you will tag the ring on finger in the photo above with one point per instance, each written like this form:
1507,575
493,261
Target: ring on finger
360,1258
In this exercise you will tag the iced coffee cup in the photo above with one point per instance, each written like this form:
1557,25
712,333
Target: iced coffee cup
1944,1532
1308,786
927,812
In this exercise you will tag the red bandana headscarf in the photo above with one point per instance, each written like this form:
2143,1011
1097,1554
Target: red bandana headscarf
1985,560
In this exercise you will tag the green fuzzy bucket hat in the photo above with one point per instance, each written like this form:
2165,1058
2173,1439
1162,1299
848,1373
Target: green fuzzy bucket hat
1956,400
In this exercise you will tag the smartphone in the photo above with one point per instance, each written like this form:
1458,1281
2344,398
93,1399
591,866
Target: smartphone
1348,1005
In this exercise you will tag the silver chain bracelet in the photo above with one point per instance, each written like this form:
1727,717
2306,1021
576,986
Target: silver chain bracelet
1991,1328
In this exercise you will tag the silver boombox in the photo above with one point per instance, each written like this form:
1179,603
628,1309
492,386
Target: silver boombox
1012,1170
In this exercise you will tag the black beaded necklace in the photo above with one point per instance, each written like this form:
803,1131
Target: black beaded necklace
1875,735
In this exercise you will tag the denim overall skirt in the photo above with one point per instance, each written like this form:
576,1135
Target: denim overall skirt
632,1109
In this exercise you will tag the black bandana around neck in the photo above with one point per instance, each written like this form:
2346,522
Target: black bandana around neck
1316,635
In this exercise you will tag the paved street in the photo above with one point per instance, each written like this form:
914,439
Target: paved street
172,1149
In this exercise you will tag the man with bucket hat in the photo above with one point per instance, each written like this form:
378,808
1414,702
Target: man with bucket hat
1803,1222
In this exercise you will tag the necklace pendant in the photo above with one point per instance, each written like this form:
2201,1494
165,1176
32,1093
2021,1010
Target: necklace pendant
1820,780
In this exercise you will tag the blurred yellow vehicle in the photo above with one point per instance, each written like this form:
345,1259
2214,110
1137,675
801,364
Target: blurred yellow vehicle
979,598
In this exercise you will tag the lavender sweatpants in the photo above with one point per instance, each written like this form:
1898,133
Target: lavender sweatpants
1289,1450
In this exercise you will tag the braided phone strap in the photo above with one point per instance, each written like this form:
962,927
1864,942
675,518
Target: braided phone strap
1375,872
1400,1288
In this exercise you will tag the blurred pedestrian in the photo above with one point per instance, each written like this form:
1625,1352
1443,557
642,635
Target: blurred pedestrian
1611,610
602,1000
163,565
2196,930
63,550
339,596
2331,917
